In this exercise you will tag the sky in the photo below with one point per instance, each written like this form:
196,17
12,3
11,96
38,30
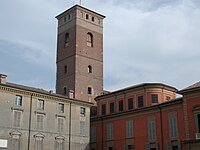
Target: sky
144,41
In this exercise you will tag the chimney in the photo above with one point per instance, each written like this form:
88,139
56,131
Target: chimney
3,78
71,94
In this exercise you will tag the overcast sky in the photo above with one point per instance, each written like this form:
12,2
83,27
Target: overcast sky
144,41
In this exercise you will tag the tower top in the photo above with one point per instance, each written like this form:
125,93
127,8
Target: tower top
79,7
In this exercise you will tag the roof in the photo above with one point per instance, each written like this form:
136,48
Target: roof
76,6
41,91
192,87
137,86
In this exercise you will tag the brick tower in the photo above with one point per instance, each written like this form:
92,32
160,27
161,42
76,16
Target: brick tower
80,53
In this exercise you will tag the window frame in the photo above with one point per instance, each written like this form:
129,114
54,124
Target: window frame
40,104
18,100
61,107
103,109
154,98
132,103
140,101
121,105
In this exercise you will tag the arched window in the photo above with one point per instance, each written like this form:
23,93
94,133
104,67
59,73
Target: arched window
89,69
90,90
87,16
90,39
65,91
66,39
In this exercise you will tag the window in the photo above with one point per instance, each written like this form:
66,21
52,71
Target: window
90,90
17,118
121,105
61,107
69,17
59,144
82,128
112,107
140,101
197,120
154,98
64,19
65,69
66,39
130,103
60,124
65,91
173,126
103,109
16,142
87,16
40,120
93,134
129,128
39,143
93,19
168,98
40,104
82,111
110,131
89,39
129,147
89,69
18,100
176,145
152,130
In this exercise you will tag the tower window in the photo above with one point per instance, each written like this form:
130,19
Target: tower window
93,19
89,69
65,91
69,17
87,16
154,98
89,90
64,19
90,39
140,101
66,39
65,69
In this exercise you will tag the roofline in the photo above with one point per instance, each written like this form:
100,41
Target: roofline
136,86
80,7
46,93
188,90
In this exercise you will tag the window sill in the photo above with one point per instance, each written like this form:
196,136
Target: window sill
40,112
17,108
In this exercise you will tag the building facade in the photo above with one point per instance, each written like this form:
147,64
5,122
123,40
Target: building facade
34,119
80,53
147,117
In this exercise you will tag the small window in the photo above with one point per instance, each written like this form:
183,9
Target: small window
89,69
82,111
168,98
18,100
121,105
112,109
154,98
65,91
89,39
140,101
66,39
89,90
130,103
103,109
61,107
87,16
69,17
93,19
40,104
65,69
65,19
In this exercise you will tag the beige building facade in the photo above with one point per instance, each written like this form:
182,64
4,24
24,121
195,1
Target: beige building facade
34,119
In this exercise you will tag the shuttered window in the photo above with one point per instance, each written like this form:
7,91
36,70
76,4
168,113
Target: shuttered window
173,126
110,131
129,128
152,130
17,118
60,124
40,121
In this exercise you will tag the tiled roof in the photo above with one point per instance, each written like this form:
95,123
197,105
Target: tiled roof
191,87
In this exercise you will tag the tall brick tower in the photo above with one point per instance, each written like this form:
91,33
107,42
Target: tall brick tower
80,53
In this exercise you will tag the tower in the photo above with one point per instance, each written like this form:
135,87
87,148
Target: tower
80,53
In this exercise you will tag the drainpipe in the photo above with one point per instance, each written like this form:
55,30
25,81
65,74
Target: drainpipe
70,109
161,127
29,128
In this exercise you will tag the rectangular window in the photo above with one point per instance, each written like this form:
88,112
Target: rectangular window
110,131
154,98
17,118
173,126
121,106
93,134
60,124
198,123
112,107
61,107
82,128
168,98
140,101
38,143
103,109
130,103
128,147
40,121
82,111
40,104
18,100
152,130
129,128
